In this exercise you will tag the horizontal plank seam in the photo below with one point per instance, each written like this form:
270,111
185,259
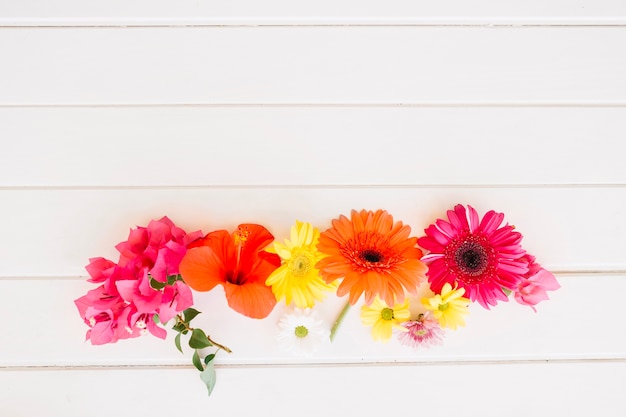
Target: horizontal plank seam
595,22
465,362
347,104
560,273
46,188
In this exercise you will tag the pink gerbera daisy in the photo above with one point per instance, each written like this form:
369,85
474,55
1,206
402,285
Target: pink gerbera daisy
479,255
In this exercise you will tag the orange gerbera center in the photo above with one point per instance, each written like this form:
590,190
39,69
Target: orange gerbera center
368,259
371,256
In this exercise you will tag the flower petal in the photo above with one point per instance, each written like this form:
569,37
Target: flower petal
202,269
253,299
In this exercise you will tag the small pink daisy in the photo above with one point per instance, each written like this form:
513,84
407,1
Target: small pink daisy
423,332
479,255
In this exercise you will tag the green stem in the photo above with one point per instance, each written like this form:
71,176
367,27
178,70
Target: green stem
339,320
214,343
179,320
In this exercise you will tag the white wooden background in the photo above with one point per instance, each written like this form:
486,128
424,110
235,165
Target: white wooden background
114,113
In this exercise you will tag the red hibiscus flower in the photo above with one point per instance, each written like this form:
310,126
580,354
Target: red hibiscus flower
238,262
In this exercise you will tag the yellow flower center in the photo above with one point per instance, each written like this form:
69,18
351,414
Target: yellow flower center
300,264
386,314
240,237
443,307
301,331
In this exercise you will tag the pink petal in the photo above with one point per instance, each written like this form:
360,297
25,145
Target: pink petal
474,220
546,279
99,269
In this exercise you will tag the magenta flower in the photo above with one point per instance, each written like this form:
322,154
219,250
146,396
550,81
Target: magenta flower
160,247
537,281
126,303
423,332
481,256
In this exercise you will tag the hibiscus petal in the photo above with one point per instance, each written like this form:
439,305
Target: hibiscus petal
253,299
202,269
258,238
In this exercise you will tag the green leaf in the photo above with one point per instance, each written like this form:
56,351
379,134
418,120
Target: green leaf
209,377
171,279
199,340
177,343
190,314
179,327
157,285
209,358
156,318
506,291
195,359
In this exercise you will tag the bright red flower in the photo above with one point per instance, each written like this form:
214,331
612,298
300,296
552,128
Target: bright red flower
238,262
474,254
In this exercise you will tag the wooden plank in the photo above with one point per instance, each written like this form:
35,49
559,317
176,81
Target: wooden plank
311,145
55,232
557,389
172,65
162,12
508,332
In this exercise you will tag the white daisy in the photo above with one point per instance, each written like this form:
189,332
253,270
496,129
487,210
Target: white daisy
301,332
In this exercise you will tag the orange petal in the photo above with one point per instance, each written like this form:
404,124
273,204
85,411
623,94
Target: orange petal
254,300
221,242
202,269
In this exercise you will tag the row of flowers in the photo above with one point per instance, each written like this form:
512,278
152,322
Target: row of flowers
366,256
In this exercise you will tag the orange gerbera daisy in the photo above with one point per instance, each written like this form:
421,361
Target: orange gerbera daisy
373,255
238,263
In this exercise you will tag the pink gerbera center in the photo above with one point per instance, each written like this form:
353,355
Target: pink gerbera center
471,258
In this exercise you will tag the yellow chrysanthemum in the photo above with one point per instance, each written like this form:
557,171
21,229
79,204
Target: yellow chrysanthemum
384,319
449,306
297,280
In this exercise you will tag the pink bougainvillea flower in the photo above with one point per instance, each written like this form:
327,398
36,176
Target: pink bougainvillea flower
139,293
100,269
422,333
126,304
176,298
160,247
537,281
481,256
373,255
238,262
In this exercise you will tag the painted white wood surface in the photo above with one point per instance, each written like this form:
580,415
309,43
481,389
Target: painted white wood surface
163,12
286,145
283,110
312,65
491,390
